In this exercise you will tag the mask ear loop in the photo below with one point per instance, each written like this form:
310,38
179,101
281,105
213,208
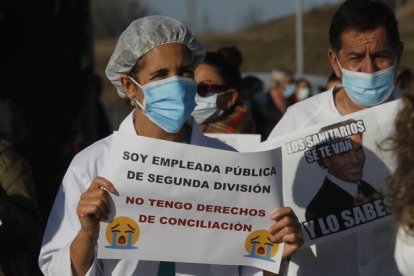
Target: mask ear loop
339,64
133,100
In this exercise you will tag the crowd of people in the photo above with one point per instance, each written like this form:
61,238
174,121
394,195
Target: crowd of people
179,91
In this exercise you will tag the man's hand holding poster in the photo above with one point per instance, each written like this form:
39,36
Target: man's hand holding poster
334,174
185,203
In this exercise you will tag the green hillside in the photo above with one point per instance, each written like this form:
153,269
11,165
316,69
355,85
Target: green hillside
272,44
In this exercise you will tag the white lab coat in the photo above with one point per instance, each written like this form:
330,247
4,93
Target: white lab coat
366,253
63,223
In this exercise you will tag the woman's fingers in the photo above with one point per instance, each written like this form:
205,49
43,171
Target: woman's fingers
98,199
99,183
94,205
287,229
283,212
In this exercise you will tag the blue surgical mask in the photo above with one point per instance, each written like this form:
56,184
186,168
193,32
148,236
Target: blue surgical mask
206,108
368,89
289,90
169,102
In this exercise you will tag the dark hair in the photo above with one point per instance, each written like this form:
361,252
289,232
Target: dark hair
227,70
401,182
363,16
232,54
252,84
308,83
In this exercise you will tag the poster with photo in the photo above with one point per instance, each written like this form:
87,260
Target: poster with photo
334,174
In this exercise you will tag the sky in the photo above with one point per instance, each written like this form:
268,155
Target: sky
227,15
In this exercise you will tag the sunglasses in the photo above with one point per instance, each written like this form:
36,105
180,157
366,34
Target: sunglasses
205,89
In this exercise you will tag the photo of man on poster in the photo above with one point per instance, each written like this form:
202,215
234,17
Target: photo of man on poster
343,185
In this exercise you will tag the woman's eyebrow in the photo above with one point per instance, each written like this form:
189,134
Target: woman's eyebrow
159,71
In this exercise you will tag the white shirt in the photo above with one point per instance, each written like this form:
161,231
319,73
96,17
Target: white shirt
366,253
349,187
404,252
63,223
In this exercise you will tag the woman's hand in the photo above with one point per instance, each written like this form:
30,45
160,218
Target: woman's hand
287,229
94,205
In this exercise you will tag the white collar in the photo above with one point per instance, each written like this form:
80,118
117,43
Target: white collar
332,92
127,127
350,187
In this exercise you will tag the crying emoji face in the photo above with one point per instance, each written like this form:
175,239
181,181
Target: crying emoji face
122,233
259,245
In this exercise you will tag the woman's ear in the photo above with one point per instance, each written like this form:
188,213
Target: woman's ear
234,94
129,87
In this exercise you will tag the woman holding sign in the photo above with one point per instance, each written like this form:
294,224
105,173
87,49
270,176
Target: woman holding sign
152,65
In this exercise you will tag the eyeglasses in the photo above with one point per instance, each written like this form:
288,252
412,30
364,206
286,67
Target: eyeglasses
205,89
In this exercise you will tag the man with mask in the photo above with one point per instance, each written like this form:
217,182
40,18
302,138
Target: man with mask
365,51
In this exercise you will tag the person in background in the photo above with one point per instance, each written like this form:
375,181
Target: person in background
251,86
365,50
289,85
401,184
153,66
303,90
20,222
268,108
218,107
333,81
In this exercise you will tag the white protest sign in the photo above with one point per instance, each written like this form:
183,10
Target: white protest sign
334,173
185,203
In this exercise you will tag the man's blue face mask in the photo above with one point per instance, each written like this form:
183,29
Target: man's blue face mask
169,102
368,89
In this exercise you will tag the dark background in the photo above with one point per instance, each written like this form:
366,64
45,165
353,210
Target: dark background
47,70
